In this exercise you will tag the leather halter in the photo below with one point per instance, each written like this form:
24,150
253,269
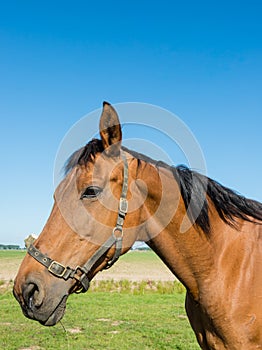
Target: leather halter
80,273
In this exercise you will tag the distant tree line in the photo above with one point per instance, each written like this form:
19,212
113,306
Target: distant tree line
9,246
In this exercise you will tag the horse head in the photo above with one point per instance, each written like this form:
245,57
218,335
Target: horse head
85,230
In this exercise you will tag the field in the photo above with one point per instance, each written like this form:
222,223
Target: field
134,266
124,309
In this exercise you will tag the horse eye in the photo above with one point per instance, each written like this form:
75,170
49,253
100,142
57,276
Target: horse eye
91,192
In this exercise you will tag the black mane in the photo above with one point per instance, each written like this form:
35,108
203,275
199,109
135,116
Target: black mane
229,204
194,188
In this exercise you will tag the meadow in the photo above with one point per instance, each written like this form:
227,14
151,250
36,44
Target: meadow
114,314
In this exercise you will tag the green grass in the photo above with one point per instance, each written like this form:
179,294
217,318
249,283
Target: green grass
141,287
140,256
133,256
113,320
12,254
112,315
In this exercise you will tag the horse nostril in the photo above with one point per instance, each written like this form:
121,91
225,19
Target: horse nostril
33,296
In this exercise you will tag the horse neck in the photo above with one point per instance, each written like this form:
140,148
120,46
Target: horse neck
188,254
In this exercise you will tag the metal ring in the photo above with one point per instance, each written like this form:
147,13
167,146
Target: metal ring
120,229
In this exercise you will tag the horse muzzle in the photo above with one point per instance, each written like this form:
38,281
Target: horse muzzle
37,304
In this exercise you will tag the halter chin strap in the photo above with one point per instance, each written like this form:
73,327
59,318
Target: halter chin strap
80,273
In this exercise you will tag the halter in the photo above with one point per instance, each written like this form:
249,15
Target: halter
80,273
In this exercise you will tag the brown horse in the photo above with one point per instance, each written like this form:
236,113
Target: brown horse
209,237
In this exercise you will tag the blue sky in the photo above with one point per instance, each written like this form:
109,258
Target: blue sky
60,59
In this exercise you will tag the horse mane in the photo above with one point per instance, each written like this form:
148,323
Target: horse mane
229,204
195,190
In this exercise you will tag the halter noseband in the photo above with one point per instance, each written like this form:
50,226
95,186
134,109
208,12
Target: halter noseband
80,273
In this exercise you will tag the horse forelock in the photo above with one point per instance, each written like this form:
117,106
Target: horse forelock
83,155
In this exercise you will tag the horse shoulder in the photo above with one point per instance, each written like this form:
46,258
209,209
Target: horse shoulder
228,314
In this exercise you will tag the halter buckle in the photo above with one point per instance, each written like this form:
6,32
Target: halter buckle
123,205
57,269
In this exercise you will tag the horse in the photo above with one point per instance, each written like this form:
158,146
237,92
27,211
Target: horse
209,236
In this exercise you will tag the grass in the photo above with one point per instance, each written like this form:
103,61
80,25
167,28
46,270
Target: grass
113,315
12,254
104,320
137,288
140,256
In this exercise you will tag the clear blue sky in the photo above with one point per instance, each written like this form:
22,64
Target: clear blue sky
60,59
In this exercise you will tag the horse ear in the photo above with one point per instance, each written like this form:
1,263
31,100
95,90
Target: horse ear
110,130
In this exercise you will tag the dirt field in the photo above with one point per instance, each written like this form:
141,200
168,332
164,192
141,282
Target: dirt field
9,264
138,266
134,266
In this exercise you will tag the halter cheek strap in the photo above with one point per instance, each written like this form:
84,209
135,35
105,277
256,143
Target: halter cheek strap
80,273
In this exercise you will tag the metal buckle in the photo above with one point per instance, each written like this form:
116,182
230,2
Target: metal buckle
123,205
53,268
